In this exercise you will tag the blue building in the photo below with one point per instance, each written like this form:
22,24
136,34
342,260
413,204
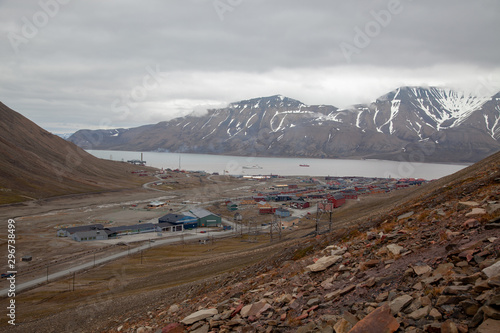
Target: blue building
184,220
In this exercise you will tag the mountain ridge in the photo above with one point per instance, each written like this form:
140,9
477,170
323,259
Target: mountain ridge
404,122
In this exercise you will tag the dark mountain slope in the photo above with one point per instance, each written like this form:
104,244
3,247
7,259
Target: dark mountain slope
37,164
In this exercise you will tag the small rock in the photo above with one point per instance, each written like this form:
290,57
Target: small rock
342,326
435,314
443,269
491,312
400,303
143,330
492,270
420,313
471,223
432,279
491,226
255,309
443,300
340,292
199,315
350,318
405,216
313,301
173,308
395,249
467,204
489,326
449,327
173,328
470,306
323,263
368,264
382,296
336,250
476,211
493,207
423,269
379,320
456,290
202,329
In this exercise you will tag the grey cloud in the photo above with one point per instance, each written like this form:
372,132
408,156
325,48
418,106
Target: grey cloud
91,53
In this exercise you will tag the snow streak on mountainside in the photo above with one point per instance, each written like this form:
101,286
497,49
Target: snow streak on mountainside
398,125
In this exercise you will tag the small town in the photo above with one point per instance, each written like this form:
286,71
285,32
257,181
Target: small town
285,204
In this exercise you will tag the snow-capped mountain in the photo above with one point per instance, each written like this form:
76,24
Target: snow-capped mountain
409,123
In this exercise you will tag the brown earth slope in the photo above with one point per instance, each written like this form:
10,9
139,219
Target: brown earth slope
431,264
428,263
37,164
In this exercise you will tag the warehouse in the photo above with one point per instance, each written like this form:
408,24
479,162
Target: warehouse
206,218
134,229
90,235
282,212
67,232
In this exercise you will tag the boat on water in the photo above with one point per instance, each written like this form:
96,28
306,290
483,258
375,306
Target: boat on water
252,167
304,165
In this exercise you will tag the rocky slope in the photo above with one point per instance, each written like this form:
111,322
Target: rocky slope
430,265
409,123
37,164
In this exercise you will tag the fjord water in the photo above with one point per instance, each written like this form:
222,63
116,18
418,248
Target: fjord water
241,165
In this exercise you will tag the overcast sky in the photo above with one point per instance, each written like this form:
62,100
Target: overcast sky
74,64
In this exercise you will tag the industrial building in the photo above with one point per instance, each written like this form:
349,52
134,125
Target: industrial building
178,222
90,235
206,218
67,232
134,229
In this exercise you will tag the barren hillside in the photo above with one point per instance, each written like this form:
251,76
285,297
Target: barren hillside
37,164
427,261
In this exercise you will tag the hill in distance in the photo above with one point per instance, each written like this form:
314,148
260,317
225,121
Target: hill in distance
410,124
36,164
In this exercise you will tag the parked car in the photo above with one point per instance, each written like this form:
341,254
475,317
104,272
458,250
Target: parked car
6,275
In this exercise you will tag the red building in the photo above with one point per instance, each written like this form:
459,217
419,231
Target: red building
338,199
298,204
